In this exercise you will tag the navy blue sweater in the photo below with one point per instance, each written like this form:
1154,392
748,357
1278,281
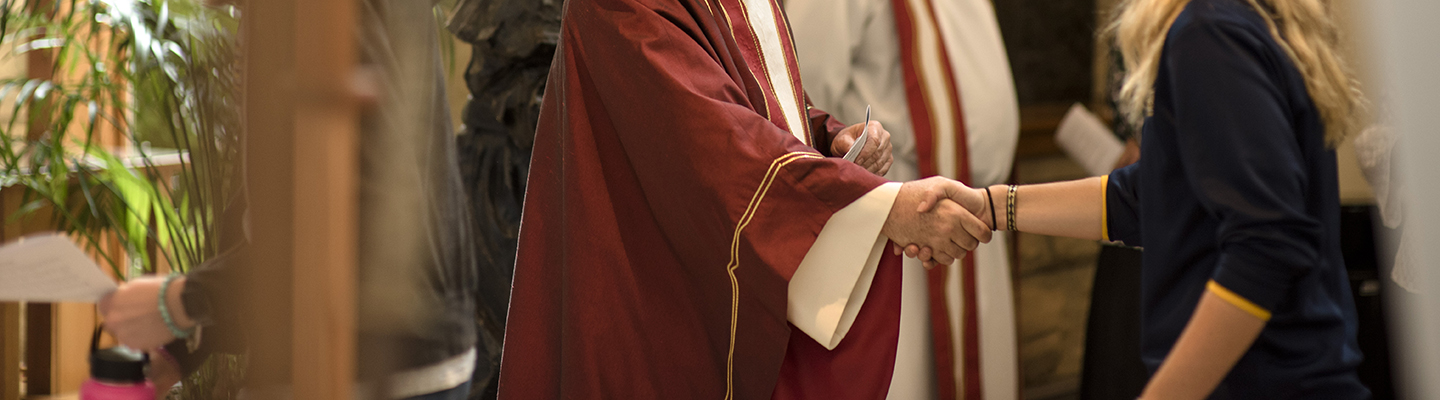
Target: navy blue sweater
1236,193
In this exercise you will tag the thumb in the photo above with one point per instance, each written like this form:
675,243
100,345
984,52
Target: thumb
841,144
929,199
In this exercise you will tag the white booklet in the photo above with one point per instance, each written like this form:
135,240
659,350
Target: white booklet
50,268
1087,140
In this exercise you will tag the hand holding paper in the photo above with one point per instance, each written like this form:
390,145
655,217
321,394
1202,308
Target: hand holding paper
860,143
867,145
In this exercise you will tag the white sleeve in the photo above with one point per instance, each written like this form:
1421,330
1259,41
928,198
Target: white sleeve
825,40
830,285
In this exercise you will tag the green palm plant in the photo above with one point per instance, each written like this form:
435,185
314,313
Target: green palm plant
160,74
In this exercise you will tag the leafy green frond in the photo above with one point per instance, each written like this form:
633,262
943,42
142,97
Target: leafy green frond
162,74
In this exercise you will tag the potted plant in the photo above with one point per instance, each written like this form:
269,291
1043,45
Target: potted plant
131,135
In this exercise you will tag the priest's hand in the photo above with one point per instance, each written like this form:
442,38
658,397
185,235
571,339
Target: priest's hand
945,227
875,157
973,200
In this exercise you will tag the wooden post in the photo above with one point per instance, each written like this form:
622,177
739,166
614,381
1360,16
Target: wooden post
269,31
39,65
10,354
327,171
302,171
38,362
70,350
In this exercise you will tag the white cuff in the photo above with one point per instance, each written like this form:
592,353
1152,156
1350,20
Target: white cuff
830,285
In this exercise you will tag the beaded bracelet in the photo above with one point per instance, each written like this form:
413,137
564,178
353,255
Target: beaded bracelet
165,309
1010,209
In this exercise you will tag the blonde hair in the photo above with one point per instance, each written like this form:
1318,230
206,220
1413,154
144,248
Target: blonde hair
1304,28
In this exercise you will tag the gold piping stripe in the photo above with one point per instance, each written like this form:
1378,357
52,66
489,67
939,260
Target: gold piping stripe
735,256
764,99
782,23
764,65
1105,208
1237,300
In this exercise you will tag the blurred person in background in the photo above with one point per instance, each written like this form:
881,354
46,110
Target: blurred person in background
417,263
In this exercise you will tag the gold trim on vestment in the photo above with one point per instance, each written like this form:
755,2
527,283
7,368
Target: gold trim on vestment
735,256
800,95
760,51
764,99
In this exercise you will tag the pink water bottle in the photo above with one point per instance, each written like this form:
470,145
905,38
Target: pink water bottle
116,373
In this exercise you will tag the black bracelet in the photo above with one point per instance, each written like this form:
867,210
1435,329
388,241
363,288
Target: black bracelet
993,226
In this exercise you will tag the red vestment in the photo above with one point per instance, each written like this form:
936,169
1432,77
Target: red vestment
667,207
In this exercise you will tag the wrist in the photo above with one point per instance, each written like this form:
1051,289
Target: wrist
888,229
898,211
987,210
996,211
176,304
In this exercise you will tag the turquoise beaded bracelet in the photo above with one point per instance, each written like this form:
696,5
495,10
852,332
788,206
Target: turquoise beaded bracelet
165,309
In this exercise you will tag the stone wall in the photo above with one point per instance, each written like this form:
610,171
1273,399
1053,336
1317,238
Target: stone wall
1055,277
1052,47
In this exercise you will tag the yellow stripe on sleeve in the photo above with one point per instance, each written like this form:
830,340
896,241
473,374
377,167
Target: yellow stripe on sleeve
1237,300
1105,207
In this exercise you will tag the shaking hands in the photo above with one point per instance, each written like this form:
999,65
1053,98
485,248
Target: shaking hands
939,220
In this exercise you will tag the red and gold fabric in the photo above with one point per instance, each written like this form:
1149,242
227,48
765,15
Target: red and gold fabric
677,214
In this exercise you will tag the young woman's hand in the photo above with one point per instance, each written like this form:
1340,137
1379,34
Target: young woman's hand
132,312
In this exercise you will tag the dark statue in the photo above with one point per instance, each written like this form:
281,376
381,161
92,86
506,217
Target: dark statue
512,43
